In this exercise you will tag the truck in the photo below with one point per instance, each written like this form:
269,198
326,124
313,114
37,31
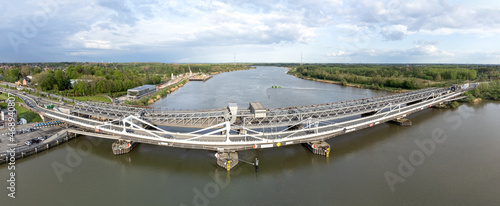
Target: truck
49,106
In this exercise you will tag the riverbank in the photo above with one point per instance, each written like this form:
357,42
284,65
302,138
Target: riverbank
162,93
54,136
361,86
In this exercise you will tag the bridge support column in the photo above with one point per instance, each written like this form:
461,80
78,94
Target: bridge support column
401,122
441,105
318,147
227,160
123,147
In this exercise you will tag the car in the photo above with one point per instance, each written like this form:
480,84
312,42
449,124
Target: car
167,136
41,138
35,140
28,143
129,131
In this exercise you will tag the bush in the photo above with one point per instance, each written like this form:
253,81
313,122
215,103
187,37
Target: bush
470,97
454,104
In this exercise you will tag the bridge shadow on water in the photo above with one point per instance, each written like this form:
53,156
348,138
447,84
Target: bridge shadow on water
274,161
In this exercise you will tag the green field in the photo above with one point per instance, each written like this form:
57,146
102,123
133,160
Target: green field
27,114
23,113
4,96
98,98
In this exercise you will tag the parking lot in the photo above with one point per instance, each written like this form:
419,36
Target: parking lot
28,132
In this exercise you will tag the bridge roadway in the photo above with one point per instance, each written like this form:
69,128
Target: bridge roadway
211,138
246,118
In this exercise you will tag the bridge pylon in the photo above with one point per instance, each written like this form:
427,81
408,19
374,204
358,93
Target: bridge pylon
227,160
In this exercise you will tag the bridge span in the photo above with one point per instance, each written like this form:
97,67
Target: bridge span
229,130
252,118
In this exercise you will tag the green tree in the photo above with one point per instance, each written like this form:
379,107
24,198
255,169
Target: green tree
11,75
437,78
61,79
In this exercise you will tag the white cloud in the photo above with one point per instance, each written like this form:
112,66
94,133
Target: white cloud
339,54
97,44
191,24
427,50
394,32
421,49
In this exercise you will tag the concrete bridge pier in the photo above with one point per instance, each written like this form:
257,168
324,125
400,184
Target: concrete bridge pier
442,105
401,122
227,160
318,147
123,147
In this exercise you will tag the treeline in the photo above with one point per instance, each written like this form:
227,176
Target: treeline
489,91
98,78
396,76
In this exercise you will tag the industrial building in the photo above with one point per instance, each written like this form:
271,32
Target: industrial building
138,92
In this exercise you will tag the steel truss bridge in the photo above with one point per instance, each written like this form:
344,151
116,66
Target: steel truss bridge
244,117
232,129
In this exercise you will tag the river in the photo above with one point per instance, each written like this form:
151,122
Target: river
448,156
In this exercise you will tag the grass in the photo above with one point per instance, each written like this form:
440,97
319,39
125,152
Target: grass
117,94
4,96
24,113
21,111
27,114
98,98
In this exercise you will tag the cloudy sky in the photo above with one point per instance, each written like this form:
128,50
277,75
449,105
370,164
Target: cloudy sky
185,31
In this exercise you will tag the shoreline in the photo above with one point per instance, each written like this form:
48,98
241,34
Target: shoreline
158,95
172,90
360,86
23,151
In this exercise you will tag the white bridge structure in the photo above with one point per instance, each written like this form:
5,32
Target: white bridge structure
231,129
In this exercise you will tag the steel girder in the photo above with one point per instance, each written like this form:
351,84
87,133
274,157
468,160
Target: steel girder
107,110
